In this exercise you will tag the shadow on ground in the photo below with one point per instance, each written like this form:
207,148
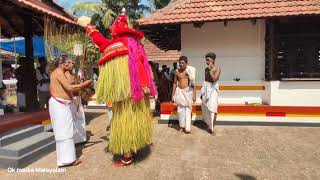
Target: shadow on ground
201,125
92,115
245,176
81,146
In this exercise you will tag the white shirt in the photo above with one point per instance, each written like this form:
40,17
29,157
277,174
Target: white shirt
43,86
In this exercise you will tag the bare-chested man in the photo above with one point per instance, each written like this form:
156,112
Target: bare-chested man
79,135
210,92
60,113
183,94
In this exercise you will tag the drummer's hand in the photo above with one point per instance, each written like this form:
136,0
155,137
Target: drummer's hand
88,83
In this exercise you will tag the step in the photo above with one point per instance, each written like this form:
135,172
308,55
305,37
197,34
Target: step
24,146
28,158
95,106
13,121
19,134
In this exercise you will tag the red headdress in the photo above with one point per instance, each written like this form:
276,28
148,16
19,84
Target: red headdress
120,27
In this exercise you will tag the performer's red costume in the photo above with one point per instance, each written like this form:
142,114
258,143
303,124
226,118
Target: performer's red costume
125,80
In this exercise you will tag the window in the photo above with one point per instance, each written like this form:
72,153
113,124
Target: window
299,58
293,49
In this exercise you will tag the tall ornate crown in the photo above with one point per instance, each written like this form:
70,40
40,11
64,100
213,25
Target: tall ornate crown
120,27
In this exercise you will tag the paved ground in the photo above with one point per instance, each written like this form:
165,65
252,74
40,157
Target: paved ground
245,153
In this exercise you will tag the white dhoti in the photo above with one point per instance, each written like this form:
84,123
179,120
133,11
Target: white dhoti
63,128
183,99
209,105
79,119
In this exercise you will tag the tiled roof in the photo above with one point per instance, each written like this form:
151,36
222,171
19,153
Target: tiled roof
45,8
155,54
184,11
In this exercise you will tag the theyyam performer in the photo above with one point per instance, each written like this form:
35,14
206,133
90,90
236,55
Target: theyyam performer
125,81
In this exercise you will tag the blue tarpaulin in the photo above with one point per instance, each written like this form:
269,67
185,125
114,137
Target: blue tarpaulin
38,46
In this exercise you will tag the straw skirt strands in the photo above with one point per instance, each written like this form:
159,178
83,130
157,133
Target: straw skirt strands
131,127
114,82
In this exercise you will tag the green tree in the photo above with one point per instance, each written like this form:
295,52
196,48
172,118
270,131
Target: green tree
104,13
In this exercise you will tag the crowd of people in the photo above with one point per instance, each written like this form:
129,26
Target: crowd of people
163,79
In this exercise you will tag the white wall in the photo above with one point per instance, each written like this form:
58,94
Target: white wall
239,48
306,93
240,51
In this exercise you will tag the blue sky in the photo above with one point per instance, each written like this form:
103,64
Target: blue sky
67,4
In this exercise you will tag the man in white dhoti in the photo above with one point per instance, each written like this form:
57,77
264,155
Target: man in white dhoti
183,94
79,135
60,113
210,92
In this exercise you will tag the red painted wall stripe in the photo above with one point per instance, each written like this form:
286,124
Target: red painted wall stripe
278,114
223,108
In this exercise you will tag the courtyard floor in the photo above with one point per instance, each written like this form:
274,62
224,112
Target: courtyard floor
236,152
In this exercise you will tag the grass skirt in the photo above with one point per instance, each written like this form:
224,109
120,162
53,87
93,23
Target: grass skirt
131,127
114,81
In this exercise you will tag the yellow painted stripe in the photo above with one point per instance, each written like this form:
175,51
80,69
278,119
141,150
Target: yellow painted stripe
46,122
197,113
237,88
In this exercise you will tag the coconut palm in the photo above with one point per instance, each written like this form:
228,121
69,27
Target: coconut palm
103,13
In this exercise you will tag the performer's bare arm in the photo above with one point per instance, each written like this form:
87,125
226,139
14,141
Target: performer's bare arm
174,85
